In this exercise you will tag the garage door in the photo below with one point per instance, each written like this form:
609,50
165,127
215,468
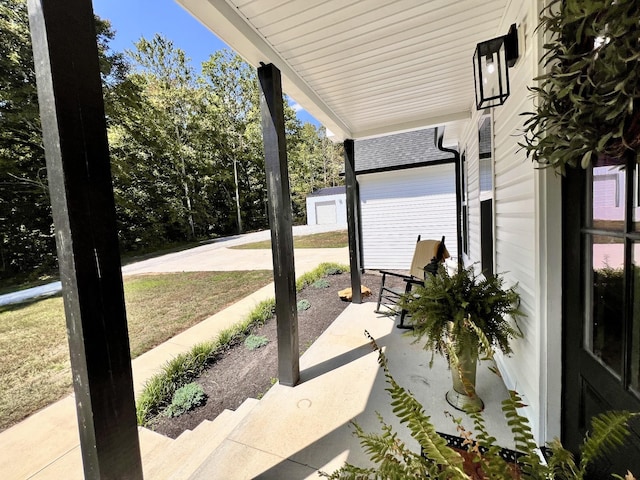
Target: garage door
398,206
326,213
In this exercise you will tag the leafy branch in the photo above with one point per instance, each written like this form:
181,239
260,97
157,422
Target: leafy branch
588,101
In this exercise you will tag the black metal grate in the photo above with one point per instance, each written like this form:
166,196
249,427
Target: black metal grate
454,441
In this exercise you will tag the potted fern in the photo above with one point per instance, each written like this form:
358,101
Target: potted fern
460,316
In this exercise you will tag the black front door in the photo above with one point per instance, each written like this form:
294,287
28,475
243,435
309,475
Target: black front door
601,303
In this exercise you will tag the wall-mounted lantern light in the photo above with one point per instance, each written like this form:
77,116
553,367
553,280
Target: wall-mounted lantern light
491,62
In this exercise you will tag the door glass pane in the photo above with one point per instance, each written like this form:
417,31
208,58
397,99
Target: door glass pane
608,187
635,325
604,330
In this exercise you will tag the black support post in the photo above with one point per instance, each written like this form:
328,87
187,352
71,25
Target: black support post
280,222
75,140
353,222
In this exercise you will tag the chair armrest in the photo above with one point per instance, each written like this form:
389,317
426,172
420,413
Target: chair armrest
399,275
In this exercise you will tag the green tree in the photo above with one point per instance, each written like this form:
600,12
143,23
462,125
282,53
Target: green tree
27,245
314,162
163,177
232,90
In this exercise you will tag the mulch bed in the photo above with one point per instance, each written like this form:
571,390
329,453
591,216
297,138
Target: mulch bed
241,373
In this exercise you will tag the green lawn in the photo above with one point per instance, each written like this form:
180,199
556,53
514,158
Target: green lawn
34,365
337,239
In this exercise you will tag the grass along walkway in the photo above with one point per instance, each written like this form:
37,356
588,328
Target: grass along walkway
336,239
34,365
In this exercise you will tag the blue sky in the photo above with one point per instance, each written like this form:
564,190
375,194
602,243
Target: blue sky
132,19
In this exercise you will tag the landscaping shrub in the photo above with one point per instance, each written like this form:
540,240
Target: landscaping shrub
262,312
184,399
320,271
303,305
321,283
333,269
253,342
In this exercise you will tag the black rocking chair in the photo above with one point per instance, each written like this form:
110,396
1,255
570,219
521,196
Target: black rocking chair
426,257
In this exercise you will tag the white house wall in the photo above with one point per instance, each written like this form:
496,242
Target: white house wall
524,223
398,206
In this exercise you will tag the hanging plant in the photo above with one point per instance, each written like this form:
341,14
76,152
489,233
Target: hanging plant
589,101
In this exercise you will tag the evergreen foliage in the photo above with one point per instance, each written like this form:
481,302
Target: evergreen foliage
303,305
322,283
322,270
252,342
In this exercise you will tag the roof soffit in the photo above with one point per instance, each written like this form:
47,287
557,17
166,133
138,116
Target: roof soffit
363,68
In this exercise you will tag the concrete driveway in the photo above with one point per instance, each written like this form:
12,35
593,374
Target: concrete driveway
215,256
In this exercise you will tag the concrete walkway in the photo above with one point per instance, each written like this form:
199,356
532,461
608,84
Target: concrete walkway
37,446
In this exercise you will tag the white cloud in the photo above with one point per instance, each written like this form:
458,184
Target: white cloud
296,106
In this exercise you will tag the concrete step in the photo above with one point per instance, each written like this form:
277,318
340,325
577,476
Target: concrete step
69,466
151,441
185,454
246,406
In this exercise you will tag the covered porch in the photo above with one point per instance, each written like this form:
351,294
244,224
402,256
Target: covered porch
363,70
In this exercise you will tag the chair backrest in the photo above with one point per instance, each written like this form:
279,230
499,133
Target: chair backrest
425,251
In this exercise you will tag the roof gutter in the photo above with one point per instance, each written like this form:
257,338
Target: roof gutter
439,138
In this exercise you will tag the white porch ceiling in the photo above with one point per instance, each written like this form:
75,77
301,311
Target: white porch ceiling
363,67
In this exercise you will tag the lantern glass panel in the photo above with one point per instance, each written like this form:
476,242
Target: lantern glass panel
491,73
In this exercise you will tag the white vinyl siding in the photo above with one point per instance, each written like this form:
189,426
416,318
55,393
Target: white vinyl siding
524,223
398,206
608,193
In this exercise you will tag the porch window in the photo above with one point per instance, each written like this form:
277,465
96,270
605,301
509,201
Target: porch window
485,142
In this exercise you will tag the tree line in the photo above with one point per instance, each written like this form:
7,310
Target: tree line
185,146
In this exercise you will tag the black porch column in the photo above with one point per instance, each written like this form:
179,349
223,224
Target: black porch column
280,222
353,220
75,140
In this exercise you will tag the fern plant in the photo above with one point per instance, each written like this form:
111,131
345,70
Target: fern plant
442,309
393,459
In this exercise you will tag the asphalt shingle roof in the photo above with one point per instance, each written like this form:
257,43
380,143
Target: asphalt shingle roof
328,191
401,150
